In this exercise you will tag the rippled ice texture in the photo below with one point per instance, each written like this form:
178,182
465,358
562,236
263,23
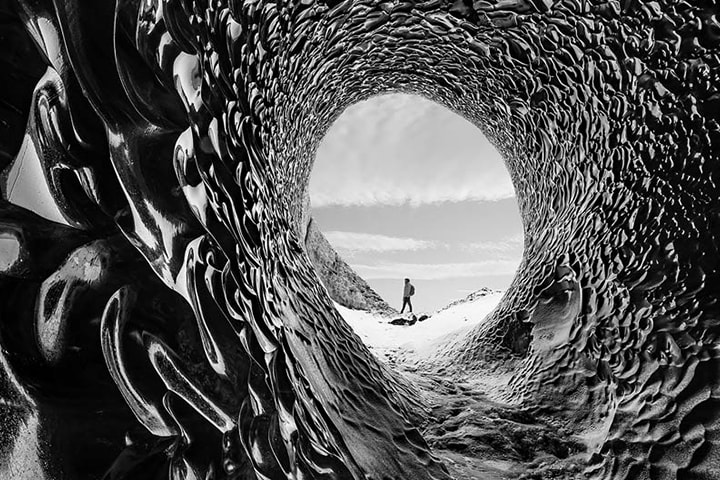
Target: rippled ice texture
167,319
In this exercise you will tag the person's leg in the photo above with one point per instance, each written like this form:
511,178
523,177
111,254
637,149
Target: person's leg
406,302
403,306
409,304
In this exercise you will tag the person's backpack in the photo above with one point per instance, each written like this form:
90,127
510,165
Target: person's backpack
412,290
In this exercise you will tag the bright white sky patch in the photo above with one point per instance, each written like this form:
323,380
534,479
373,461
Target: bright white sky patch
356,242
510,245
401,149
437,271
366,242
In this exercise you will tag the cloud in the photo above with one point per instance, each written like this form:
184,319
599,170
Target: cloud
437,271
512,244
350,242
401,149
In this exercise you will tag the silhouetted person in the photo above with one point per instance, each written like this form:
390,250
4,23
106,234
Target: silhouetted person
408,291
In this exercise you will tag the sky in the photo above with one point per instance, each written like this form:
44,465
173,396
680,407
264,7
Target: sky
403,187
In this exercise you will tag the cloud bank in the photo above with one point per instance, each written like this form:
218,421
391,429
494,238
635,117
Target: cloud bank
400,149
356,242
437,271
366,242
509,245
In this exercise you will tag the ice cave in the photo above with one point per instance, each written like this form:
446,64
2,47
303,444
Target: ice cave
160,317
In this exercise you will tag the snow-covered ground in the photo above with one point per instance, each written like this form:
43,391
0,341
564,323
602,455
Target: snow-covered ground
474,427
419,339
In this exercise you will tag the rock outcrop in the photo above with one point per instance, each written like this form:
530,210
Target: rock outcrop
342,283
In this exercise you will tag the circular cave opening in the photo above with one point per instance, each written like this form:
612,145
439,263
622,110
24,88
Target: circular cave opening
403,187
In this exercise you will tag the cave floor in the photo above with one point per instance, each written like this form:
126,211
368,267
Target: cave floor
478,438
470,431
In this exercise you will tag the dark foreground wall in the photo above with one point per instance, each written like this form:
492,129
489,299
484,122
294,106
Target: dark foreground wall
160,318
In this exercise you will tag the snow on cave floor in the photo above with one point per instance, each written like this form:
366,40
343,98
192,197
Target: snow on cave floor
414,341
474,435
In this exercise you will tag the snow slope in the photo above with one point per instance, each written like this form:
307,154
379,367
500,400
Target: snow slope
419,339
471,427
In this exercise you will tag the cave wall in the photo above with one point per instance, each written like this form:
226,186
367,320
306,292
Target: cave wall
177,138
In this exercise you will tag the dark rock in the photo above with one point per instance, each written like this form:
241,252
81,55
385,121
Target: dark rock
411,320
342,283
